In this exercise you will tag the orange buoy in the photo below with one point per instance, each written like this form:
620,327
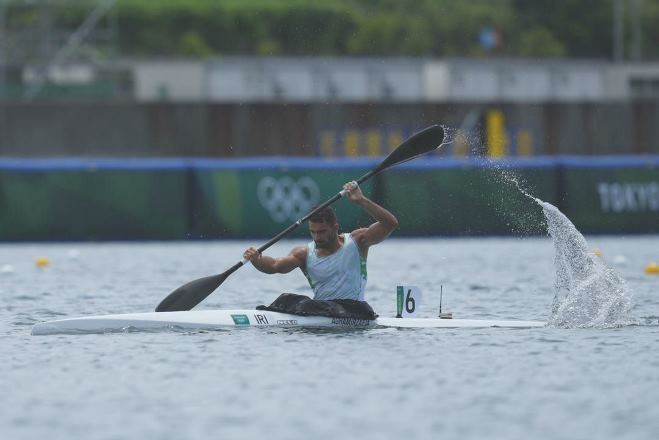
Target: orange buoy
42,262
652,268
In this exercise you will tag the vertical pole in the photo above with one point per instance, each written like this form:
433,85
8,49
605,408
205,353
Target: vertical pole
3,44
636,49
618,30
441,293
3,75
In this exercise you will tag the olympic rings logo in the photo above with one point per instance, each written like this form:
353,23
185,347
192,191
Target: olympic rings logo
286,198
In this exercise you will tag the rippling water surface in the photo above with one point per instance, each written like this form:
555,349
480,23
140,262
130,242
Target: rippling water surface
555,383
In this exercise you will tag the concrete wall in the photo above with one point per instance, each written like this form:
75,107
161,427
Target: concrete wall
314,80
168,80
410,80
345,80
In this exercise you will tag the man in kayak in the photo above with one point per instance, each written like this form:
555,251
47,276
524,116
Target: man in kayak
334,263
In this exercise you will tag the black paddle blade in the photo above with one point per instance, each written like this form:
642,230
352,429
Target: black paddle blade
191,294
419,143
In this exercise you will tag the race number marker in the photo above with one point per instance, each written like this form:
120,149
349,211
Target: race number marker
408,301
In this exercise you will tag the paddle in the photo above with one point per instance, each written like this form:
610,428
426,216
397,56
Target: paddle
194,292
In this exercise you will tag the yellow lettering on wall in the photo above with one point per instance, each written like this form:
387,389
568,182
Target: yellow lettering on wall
460,144
374,143
352,143
328,143
394,139
497,142
524,143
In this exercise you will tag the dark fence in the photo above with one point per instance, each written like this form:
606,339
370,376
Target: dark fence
127,129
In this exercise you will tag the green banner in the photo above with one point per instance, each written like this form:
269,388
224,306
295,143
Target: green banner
172,200
612,200
469,200
236,203
90,205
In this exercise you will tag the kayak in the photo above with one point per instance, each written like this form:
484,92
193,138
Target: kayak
218,319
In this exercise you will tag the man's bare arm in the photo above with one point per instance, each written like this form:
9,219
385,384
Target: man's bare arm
266,264
385,223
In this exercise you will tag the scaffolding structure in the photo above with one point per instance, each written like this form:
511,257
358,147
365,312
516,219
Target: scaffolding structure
34,44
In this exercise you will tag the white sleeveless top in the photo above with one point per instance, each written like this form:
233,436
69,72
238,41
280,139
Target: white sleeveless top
341,275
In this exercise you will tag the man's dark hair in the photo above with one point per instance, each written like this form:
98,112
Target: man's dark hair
325,215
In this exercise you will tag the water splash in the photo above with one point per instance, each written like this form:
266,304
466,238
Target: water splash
464,141
451,134
586,293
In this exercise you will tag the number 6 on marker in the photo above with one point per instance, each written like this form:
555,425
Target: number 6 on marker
408,300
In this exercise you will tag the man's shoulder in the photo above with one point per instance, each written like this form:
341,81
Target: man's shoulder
358,235
358,232
299,252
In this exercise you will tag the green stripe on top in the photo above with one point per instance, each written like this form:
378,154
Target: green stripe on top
399,300
362,267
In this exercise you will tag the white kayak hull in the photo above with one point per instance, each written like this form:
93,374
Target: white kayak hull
217,319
